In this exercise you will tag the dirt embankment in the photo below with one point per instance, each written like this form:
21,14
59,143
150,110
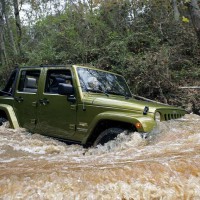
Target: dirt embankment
188,98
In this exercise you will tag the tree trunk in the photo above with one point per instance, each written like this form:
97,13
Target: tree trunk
2,43
18,24
90,4
194,12
12,42
176,11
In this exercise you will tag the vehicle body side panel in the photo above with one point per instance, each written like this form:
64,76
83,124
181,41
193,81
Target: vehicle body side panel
6,100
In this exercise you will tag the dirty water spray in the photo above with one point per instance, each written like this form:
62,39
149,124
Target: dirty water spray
165,166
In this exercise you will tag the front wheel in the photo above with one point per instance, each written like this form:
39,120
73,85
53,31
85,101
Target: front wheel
107,135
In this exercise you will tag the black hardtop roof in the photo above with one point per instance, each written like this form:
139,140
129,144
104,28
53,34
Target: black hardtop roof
40,66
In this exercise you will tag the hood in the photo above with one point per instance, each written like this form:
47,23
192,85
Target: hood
129,104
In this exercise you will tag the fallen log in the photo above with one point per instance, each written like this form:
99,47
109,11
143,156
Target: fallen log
189,87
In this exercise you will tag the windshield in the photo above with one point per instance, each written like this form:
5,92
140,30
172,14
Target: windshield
102,82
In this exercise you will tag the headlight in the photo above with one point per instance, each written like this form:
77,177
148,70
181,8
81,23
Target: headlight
157,117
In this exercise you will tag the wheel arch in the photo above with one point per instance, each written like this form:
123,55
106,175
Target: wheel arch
122,119
7,112
104,124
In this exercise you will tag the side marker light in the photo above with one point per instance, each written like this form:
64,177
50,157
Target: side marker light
138,125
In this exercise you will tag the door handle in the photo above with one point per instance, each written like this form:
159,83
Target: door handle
44,101
19,99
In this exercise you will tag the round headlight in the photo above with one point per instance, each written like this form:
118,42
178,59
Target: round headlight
157,117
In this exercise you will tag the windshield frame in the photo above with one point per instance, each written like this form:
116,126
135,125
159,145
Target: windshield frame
126,93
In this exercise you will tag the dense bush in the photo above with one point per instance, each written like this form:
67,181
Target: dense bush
140,40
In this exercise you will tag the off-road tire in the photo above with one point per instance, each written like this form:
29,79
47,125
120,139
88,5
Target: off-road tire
2,120
107,135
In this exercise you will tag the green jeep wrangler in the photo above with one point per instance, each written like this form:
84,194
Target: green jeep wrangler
77,104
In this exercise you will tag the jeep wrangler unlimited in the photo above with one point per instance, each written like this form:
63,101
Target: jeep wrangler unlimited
77,104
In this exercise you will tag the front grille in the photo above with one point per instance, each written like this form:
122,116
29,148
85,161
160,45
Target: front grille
172,116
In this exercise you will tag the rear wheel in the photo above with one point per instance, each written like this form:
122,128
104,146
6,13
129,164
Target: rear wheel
107,135
2,120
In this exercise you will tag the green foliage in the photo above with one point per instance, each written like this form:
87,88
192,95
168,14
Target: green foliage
139,39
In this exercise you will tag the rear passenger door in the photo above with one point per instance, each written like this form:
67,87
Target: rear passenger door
26,96
56,115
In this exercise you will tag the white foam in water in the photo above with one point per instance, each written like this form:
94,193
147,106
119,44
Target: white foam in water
164,166
121,142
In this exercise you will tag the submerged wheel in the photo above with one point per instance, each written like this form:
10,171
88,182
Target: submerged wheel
2,120
107,135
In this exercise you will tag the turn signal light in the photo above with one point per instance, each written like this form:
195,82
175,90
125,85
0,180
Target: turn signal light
138,125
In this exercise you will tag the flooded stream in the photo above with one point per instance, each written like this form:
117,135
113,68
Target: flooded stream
166,166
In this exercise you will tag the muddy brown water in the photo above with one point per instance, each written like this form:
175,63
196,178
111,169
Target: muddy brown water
166,166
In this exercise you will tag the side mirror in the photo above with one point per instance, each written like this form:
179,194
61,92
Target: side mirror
65,89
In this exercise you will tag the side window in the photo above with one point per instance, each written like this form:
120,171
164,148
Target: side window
54,78
8,90
28,82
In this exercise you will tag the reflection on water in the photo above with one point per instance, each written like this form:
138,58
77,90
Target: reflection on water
166,166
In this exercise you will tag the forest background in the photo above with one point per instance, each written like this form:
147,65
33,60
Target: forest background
154,44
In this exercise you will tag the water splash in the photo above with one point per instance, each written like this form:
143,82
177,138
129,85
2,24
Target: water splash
165,166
